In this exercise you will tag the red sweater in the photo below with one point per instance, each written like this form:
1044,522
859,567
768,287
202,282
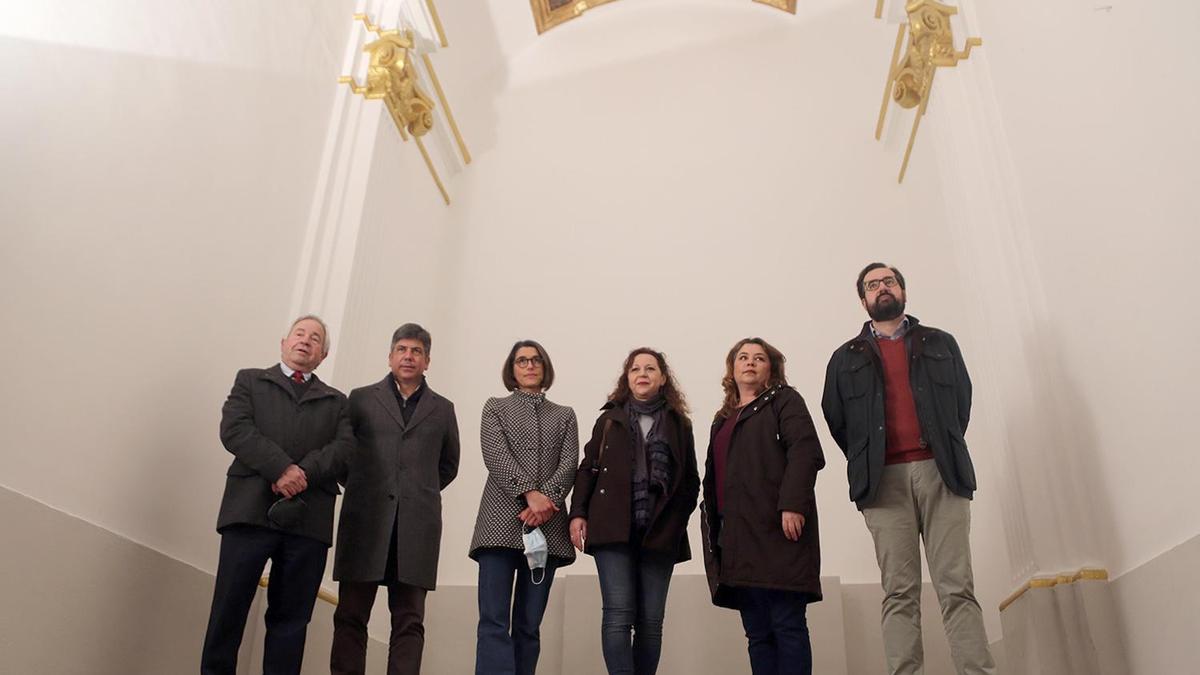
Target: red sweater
721,456
904,442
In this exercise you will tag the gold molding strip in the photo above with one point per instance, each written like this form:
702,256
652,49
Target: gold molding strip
1085,574
437,23
432,171
912,136
878,9
437,87
891,80
374,28
322,594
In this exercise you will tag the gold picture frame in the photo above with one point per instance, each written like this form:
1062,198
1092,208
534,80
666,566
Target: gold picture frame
549,13
786,5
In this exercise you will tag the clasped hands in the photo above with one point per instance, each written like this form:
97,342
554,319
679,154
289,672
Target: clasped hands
291,482
539,510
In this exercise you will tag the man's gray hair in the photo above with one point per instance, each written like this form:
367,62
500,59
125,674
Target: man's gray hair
412,331
327,342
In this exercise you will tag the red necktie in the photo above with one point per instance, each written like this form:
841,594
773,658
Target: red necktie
297,377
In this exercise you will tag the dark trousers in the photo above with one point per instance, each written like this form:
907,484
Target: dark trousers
297,565
777,630
508,640
633,588
355,599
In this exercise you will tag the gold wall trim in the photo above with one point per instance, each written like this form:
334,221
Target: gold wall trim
437,23
437,87
1085,574
878,9
322,594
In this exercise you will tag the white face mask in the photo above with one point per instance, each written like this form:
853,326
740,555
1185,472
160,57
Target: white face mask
536,552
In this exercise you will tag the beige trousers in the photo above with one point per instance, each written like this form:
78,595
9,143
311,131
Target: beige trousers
913,503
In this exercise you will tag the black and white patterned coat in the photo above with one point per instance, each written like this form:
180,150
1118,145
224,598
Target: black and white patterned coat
528,443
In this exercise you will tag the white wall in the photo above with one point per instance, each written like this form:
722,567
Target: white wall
700,194
1098,106
157,170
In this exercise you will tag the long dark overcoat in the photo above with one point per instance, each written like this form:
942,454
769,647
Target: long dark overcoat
396,474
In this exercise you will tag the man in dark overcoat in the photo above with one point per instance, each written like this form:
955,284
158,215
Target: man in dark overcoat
289,433
390,529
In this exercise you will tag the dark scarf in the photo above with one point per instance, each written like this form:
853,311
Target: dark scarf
651,457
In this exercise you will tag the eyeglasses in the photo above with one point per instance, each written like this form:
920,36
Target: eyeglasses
874,283
529,361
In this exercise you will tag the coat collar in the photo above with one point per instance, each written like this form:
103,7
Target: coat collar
865,342
752,408
615,412
762,401
385,394
316,388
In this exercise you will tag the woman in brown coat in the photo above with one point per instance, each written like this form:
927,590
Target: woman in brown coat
634,492
759,518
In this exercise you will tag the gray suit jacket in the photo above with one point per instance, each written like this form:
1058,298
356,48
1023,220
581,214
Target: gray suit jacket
267,428
396,474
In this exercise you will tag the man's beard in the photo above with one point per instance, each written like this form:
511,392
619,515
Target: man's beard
892,310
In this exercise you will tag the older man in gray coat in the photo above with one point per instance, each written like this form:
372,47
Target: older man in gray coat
390,529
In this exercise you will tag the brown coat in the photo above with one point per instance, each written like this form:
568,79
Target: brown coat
774,457
603,487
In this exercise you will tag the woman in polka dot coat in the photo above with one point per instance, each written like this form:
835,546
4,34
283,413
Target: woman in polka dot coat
531,448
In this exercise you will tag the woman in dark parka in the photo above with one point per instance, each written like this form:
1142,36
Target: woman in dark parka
759,517
634,492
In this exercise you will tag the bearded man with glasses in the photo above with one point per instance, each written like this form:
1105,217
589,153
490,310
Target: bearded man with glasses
897,400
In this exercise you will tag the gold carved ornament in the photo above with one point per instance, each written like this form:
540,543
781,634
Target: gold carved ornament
392,78
910,75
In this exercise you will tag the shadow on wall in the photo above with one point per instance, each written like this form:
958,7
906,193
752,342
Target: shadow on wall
1065,507
473,75
80,600
1058,441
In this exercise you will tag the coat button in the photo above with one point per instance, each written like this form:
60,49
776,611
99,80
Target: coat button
601,490
392,497
605,471
755,408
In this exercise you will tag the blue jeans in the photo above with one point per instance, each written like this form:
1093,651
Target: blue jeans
509,635
633,587
777,631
